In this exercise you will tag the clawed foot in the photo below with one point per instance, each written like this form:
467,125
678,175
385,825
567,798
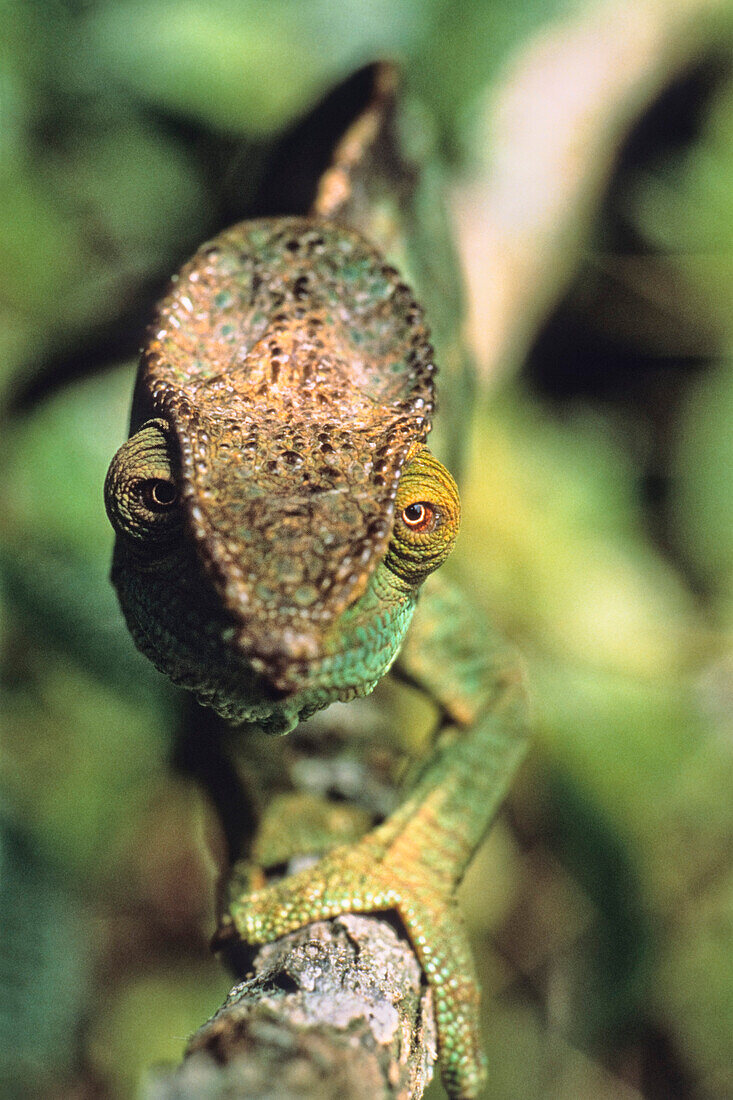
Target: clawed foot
369,877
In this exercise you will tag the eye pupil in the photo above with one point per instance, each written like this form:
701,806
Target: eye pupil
159,494
414,513
418,517
163,492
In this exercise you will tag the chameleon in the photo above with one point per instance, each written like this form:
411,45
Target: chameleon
279,522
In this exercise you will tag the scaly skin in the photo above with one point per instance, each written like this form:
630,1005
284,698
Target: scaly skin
414,861
277,514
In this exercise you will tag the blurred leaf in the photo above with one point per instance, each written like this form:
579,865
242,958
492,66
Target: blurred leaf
242,66
44,974
150,1019
86,718
622,738
86,222
462,57
554,537
134,190
229,63
77,761
55,539
696,980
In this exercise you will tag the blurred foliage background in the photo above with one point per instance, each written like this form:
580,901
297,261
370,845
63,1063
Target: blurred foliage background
588,156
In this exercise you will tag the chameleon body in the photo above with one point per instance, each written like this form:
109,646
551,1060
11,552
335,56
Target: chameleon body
277,514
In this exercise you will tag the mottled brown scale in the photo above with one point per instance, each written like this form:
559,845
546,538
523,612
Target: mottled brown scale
295,370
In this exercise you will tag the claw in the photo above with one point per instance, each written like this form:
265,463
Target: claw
370,877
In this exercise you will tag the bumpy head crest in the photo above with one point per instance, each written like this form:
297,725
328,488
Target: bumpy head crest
294,368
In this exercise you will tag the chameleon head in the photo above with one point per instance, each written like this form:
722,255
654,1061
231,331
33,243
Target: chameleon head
276,509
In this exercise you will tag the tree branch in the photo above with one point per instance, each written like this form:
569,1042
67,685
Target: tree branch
336,1010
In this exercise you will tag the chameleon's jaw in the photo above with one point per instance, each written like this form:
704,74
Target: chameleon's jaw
288,658
307,666
285,660
202,646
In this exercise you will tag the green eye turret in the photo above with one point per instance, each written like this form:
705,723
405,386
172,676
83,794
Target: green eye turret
427,518
140,492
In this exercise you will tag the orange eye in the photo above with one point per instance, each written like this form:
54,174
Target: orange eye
419,517
427,516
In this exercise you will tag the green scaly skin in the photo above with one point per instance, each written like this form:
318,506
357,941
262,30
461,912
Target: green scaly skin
277,515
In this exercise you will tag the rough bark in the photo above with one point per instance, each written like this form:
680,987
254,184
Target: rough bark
336,1010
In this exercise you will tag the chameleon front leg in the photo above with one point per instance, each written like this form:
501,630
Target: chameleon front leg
413,862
